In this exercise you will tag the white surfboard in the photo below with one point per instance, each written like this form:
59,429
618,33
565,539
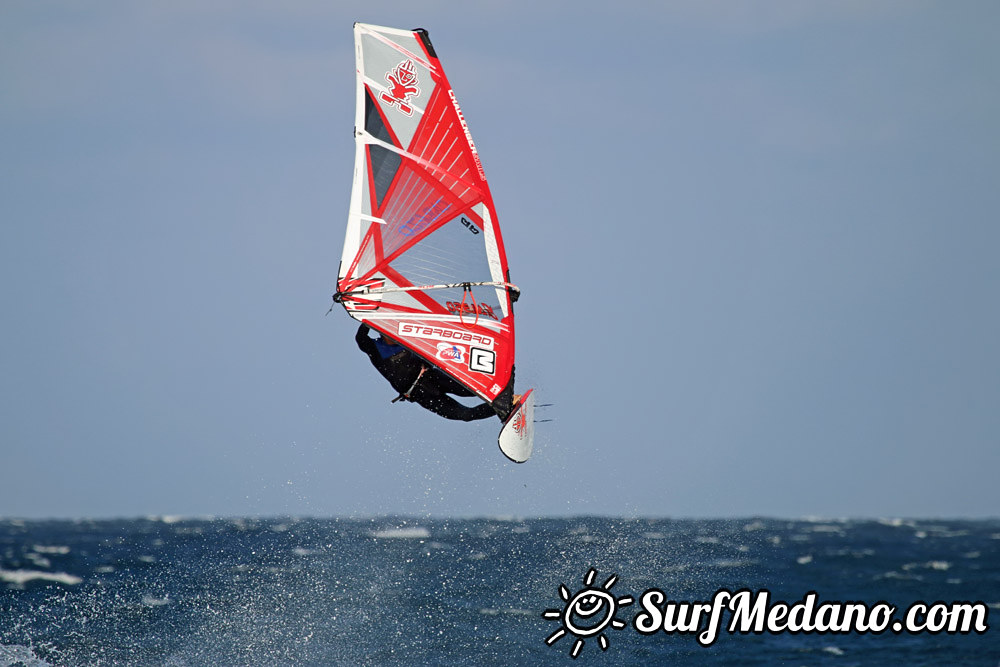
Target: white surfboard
518,432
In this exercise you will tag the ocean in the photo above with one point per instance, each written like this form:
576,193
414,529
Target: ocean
497,591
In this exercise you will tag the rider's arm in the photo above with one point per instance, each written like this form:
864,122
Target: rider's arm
449,408
366,344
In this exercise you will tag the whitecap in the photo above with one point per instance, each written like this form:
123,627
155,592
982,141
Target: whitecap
733,563
825,519
412,532
150,601
21,577
38,560
940,565
303,551
804,560
944,531
833,650
51,549
852,553
897,575
14,654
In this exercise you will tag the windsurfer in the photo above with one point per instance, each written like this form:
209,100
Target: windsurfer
419,382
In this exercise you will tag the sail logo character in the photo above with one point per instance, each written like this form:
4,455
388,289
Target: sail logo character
403,84
519,423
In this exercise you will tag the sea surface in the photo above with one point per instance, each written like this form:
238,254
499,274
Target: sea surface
411,591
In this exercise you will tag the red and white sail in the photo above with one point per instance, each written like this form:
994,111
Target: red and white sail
423,258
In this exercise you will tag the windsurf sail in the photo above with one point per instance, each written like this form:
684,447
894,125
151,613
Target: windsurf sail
423,258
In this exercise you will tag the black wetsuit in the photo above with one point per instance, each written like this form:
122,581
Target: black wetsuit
402,368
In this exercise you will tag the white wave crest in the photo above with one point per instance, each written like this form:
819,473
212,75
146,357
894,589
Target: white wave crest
413,532
21,577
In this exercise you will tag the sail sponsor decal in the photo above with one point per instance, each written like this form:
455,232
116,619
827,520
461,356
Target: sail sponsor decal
417,222
451,352
474,309
468,135
430,332
482,361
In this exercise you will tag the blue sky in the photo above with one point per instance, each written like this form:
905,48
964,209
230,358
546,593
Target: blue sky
757,246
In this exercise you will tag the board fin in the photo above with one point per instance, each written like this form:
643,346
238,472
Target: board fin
517,436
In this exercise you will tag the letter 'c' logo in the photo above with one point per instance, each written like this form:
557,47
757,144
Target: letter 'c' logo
482,361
